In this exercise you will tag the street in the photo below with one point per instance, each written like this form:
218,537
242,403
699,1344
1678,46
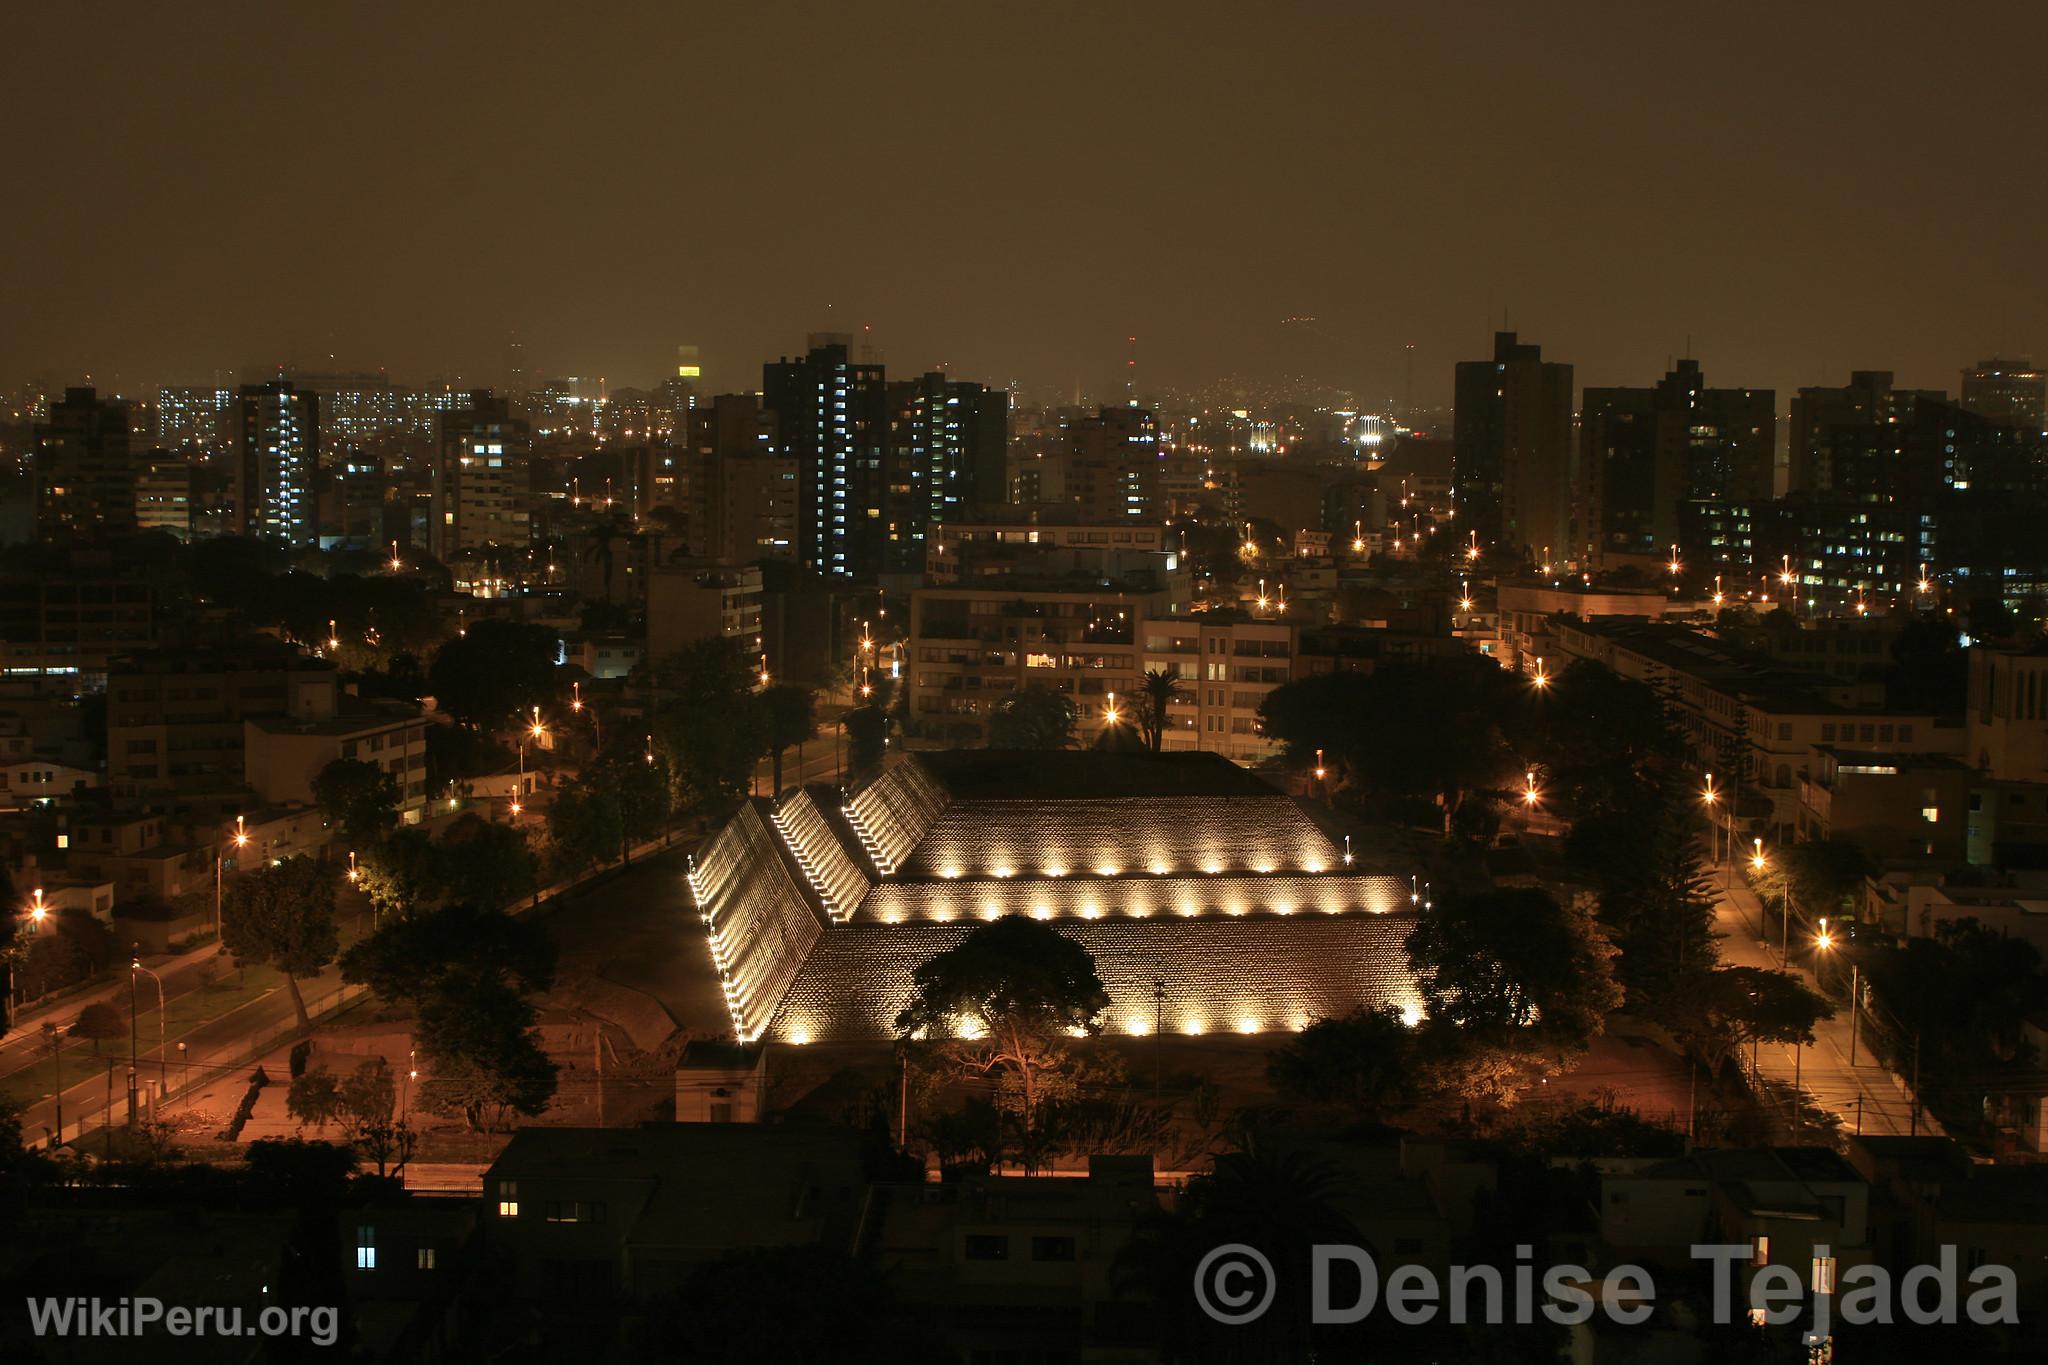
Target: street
1867,1098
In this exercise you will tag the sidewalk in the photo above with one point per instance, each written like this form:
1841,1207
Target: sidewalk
1867,1098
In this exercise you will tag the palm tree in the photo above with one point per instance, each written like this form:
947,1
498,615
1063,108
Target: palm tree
1159,689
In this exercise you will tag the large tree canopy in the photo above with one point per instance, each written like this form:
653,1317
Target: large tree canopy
1031,718
1003,1003
1516,964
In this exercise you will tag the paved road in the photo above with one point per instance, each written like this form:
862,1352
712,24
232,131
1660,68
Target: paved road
1867,1098
181,973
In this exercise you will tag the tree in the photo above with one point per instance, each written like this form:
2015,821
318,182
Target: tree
790,712
89,934
1003,1003
483,1055
1031,718
314,1098
640,791
585,827
283,916
358,798
1410,728
364,1105
402,873
1360,1062
711,729
1157,692
1821,875
1516,965
495,670
98,1022
489,863
1655,900
867,739
448,950
1726,1010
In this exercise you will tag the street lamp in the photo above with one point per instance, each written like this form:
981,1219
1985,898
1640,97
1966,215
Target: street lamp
1540,679
37,911
1109,715
1826,941
1529,795
1320,770
1710,797
162,1022
396,562
241,840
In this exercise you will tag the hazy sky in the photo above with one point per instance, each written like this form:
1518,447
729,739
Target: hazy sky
1012,189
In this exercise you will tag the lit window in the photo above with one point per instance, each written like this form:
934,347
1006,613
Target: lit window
1763,1252
366,1248
426,1258
508,1199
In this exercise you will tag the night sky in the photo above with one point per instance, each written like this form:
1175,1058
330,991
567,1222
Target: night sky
1012,189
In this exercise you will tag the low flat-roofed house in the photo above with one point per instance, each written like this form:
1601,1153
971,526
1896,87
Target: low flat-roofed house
590,1218
1799,1206
1020,1267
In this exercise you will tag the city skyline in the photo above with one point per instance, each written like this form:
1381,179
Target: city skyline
1310,198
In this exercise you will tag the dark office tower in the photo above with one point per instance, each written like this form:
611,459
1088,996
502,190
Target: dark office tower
480,479
1511,464
949,445
833,416
1835,429
1647,455
276,461
2010,392
1112,465
85,468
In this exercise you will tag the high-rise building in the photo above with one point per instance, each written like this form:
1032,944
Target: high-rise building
357,409
1646,455
194,417
85,467
276,463
1834,429
163,496
738,490
833,416
949,448
1512,436
480,479
2010,392
1112,464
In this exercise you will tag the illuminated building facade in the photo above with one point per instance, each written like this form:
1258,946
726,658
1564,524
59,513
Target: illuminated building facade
276,461
948,456
833,416
480,479
1210,902
194,417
